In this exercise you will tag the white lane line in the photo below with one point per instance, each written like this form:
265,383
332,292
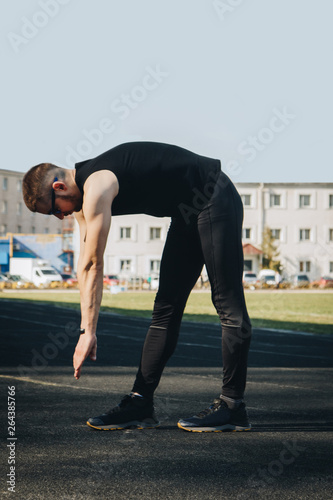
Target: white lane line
125,337
42,382
186,325
179,343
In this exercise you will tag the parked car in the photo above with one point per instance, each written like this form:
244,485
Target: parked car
17,280
323,282
249,277
69,279
269,277
300,281
111,280
3,281
326,280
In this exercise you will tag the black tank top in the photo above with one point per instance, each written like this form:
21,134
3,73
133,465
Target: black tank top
154,178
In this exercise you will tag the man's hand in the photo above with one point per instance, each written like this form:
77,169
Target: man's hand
86,346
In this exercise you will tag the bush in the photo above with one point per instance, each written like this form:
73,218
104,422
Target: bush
285,285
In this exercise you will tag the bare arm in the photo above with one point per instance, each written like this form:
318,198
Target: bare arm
83,229
94,221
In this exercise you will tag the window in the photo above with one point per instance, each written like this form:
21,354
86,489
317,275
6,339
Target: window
305,266
46,230
246,199
5,183
125,265
330,201
330,235
4,207
304,234
246,233
3,229
331,267
125,233
248,265
155,265
155,233
19,229
33,229
19,208
19,185
276,233
275,200
304,200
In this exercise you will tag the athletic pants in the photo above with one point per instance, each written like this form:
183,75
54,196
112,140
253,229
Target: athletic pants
212,237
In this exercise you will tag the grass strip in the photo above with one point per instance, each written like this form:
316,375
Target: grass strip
308,312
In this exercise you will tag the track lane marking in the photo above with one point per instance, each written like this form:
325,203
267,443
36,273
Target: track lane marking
42,382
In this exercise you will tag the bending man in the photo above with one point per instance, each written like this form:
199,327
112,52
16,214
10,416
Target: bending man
206,223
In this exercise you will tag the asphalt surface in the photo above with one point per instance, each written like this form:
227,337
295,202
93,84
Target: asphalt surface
287,455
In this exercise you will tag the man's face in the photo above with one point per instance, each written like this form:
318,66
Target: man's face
64,205
61,204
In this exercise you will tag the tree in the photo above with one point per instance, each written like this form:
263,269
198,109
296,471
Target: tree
270,251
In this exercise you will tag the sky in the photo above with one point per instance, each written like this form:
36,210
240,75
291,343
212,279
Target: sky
246,81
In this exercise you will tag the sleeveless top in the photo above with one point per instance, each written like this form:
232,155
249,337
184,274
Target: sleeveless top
154,178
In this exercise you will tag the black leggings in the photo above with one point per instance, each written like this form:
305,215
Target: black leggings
212,237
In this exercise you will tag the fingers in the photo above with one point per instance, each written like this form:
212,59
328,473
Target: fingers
77,367
84,348
77,373
77,363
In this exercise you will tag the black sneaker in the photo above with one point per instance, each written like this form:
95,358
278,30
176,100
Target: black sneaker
133,412
217,418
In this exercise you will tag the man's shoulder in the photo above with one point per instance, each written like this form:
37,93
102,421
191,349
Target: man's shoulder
100,181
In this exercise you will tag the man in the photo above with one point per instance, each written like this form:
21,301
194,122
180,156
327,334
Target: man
206,223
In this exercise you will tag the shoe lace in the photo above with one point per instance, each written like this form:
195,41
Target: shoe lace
217,403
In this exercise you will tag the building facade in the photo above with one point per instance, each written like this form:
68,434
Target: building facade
300,217
15,216
135,245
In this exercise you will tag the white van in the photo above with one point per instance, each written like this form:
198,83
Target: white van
36,271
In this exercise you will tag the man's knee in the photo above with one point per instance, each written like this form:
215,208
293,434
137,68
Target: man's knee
166,311
232,312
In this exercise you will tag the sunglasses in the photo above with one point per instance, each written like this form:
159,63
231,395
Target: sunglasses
53,211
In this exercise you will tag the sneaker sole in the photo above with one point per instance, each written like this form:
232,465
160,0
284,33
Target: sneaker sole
135,424
222,428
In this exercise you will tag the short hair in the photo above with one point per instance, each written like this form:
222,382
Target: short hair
35,184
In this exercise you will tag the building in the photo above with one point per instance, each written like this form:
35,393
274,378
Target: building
46,247
300,216
24,232
15,216
135,245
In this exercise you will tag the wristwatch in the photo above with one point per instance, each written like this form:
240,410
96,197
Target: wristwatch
81,330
